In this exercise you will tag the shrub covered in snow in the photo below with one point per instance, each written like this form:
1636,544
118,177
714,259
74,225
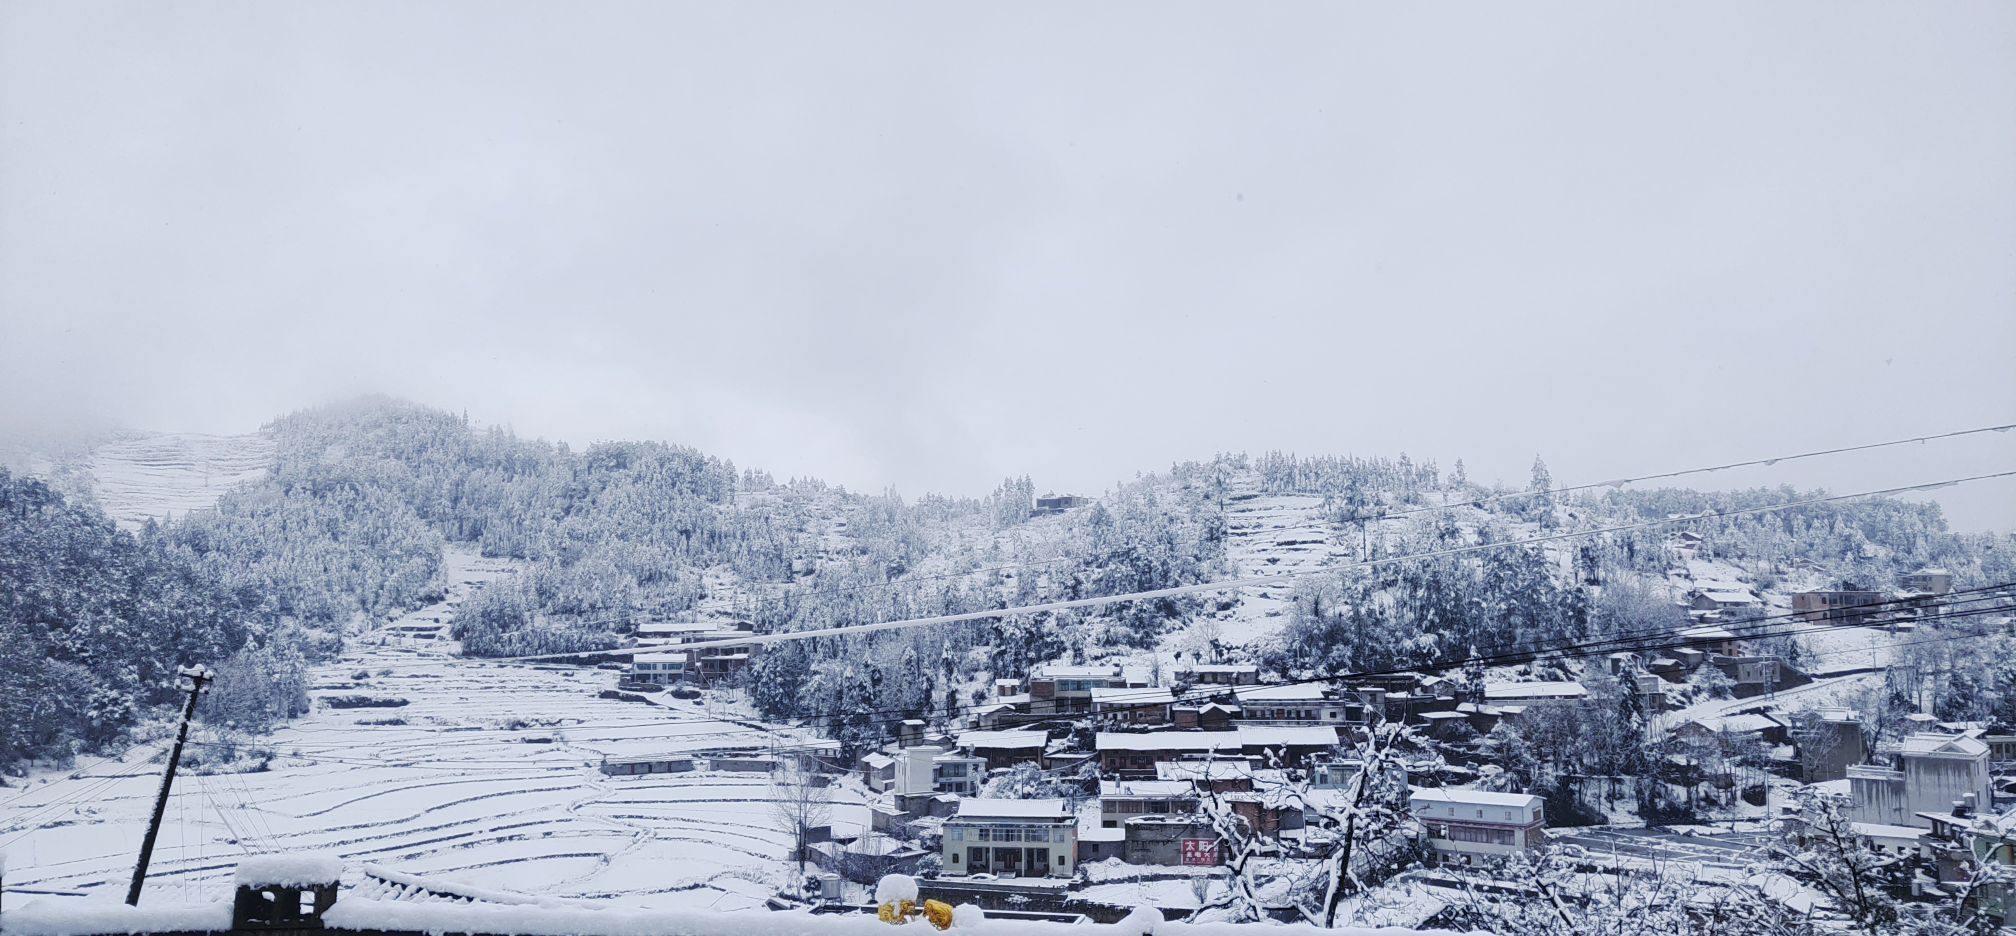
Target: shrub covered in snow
896,887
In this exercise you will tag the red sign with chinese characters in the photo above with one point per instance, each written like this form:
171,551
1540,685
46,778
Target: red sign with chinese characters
1199,851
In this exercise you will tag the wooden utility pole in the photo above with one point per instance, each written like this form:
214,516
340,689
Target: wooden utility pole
197,676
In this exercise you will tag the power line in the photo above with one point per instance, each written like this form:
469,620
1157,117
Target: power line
78,774
1237,583
47,813
1592,648
1755,629
1953,599
1388,515
1660,476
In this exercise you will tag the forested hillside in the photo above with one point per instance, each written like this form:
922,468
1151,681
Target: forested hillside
94,623
349,525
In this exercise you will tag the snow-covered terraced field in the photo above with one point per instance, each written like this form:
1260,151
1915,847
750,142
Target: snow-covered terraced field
488,775
145,475
1273,534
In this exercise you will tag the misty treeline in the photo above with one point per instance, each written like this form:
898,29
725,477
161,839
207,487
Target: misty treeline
350,526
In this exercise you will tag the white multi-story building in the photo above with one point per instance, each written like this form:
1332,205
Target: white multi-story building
660,669
1469,826
927,768
1011,838
1933,771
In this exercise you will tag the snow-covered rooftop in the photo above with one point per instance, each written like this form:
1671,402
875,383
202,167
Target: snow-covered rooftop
1061,671
1108,695
1747,723
1927,744
655,628
1187,771
1287,735
1003,740
1167,741
1245,736
977,808
1157,788
1474,797
1881,830
1296,692
1562,689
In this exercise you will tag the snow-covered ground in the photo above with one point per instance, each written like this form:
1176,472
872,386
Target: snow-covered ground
1274,534
142,475
487,775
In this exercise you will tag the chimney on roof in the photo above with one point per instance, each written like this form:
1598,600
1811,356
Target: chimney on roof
1963,807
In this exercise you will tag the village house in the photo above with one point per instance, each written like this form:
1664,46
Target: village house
1473,826
1721,729
1285,745
929,769
1210,716
878,771
2001,743
1005,748
1849,608
1933,771
1268,816
707,664
1707,639
1127,705
1927,582
1829,741
1889,839
1721,596
1121,800
1446,725
1170,841
1058,688
1958,844
1220,674
1011,838
1058,503
1534,693
657,669
1136,753
633,766
998,714
1753,676
1101,843
1228,775
1297,704
662,631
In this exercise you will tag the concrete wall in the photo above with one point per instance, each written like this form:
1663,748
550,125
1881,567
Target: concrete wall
1933,784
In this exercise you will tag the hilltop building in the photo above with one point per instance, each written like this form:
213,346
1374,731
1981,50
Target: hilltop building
1846,607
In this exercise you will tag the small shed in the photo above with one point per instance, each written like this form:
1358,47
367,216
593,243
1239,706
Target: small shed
284,892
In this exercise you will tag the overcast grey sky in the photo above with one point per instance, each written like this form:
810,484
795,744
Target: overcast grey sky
928,245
